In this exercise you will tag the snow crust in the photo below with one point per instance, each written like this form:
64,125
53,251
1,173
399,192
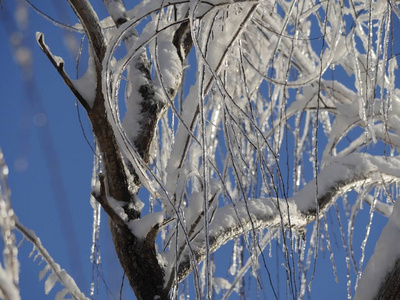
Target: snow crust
133,99
348,168
141,227
221,284
117,207
387,251
116,9
87,84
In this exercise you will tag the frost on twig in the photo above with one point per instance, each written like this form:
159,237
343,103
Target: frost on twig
9,275
57,274
9,270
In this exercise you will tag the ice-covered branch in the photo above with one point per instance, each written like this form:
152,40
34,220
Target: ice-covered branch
9,273
58,274
341,175
381,277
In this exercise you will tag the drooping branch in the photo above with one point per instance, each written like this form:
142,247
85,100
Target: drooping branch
341,175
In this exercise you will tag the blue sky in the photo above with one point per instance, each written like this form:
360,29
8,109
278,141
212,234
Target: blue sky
51,164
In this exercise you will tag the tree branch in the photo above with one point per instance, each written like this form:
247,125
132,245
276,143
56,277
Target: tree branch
91,24
58,63
61,274
102,199
381,277
335,179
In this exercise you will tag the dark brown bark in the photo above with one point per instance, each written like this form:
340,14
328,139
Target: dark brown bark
138,257
139,261
390,288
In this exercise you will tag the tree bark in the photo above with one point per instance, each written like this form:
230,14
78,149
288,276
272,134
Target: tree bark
139,260
390,288
138,257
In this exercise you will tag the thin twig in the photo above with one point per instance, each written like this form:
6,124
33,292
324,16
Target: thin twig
59,65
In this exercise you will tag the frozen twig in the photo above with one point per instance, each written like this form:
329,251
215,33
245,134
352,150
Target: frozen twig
61,274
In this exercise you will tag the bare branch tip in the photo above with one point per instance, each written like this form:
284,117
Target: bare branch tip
58,63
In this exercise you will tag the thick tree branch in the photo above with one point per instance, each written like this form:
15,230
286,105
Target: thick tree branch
139,260
116,176
138,256
91,24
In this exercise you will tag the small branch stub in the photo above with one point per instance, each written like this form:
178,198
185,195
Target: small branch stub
102,199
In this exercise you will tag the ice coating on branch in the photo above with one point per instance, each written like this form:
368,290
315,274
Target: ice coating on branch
50,282
57,273
9,266
386,253
7,283
240,54
335,179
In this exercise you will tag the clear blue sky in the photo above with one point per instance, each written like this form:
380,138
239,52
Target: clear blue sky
51,163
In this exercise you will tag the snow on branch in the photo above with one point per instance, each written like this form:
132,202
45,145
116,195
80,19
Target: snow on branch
385,259
58,63
57,274
9,273
335,179
117,11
